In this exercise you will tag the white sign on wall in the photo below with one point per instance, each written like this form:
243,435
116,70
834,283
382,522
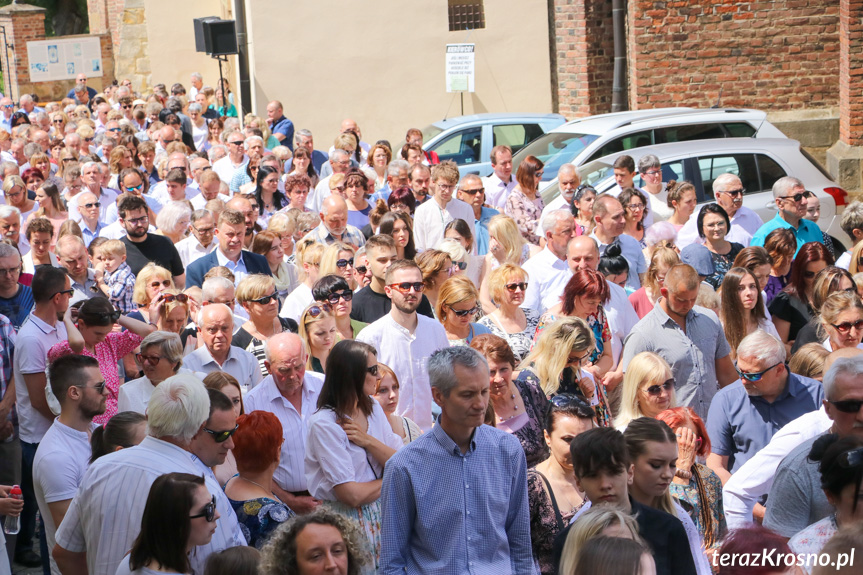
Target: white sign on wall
64,59
460,67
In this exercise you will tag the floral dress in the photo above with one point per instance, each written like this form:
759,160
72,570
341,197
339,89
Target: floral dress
525,212
259,517
529,425
812,539
521,342
721,264
702,500
546,520
108,353
569,384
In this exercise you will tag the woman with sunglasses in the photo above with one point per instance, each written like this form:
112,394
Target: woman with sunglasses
648,389
517,325
636,209
349,440
840,463
829,280
458,255
318,331
456,307
90,332
695,484
841,321
400,227
180,514
742,310
436,267
176,310
160,358
269,244
524,204
338,259
553,495
334,290
149,283
258,296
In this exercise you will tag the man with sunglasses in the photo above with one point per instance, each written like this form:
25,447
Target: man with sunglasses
91,175
790,196
64,452
744,416
405,340
728,191
471,192
7,108
236,158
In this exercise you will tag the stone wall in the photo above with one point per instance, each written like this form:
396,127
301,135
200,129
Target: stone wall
124,22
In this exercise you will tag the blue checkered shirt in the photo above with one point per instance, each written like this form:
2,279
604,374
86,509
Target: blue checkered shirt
7,355
121,285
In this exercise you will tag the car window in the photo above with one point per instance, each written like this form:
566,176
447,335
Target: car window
709,131
516,136
623,143
741,165
462,147
770,171
555,149
739,130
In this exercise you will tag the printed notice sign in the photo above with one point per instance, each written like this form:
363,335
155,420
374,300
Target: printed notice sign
460,67
64,59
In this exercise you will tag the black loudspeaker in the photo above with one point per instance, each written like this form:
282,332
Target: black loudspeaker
215,37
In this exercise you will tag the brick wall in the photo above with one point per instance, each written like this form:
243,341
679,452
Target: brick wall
767,54
106,16
850,68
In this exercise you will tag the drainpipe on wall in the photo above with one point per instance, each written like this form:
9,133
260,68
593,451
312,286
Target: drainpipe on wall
618,99
243,57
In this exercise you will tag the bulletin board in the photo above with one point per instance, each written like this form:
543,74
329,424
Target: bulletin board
64,59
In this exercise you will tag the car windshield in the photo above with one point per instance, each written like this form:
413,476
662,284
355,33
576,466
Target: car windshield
554,149
430,132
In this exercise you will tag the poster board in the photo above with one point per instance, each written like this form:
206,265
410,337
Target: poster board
460,67
64,59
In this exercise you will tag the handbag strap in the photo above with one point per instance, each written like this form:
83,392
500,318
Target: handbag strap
548,488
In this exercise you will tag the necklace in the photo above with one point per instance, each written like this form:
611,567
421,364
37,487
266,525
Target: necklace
514,409
255,483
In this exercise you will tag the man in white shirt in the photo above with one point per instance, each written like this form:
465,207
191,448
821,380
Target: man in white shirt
162,193
728,190
340,161
610,218
547,271
405,340
291,393
215,328
91,175
201,241
105,516
210,187
431,218
235,159
499,185
64,452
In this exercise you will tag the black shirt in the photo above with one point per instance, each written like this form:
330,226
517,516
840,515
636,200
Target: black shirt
664,534
370,306
154,248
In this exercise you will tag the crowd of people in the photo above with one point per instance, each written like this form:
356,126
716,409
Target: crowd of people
226,351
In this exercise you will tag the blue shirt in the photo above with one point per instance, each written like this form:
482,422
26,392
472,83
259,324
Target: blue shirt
481,228
90,235
17,307
740,425
286,127
446,512
808,231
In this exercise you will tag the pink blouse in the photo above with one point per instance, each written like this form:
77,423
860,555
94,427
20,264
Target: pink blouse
108,353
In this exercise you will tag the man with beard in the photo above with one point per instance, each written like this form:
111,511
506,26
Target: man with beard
419,179
405,340
245,207
64,453
143,247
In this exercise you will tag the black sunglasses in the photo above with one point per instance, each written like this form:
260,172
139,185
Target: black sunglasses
342,264
848,406
755,376
93,204
100,389
464,312
405,287
846,326
361,270
222,436
69,291
795,197
516,285
209,512
667,385
105,316
472,192
737,192
334,297
266,299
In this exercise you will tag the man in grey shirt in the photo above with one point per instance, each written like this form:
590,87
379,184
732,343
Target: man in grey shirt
796,499
689,338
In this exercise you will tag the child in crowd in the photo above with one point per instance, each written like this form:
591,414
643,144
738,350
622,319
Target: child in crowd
117,281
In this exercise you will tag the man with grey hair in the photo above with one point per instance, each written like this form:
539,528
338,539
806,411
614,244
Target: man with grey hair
548,270
216,153
484,465
10,228
7,108
305,139
728,191
100,526
790,196
796,499
340,161
470,191
744,415
91,175
196,83
201,241
28,105
290,392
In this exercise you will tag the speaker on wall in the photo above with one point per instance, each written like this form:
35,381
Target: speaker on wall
201,39
222,36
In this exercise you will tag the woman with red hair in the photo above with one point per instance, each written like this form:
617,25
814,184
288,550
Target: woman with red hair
524,204
584,294
751,542
696,486
792,307
257,445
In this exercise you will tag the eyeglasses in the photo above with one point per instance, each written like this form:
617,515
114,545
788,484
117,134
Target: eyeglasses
361,270
92,205
795,197
151,359
334,297
754,376
846,326
459,265
180,297
342,264
315,310
515,286
209,512
578,360
373,370
655,390
848,406
464,312
100,388
267,298
405,287
472,192
222,436
12,272
653,172
136,221
163,283
737,192
634,207
68,292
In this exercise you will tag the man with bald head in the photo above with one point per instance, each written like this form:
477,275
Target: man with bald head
281,128
688,337
215,328
291,394
334,226
88,208
728,191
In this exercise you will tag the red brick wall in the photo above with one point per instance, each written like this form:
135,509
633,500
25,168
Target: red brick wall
767,54
105,16
850,68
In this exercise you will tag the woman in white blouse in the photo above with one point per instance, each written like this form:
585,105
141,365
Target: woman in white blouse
349,440
160,358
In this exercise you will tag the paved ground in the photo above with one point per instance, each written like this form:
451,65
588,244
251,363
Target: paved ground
21,570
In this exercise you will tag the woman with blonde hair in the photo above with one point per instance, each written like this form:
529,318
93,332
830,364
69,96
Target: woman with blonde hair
506,246
15,194
644,298
258,295
256,122
808,361
338,259
269,244
456,308
517,325
387,394
841,321
119,159
648,389
554,364
308,257
149,284
176,308
596,522
318,331
436,267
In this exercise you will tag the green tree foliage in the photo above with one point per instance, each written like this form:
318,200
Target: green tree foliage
63,17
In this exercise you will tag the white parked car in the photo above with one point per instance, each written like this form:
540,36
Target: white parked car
758,162
585,140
